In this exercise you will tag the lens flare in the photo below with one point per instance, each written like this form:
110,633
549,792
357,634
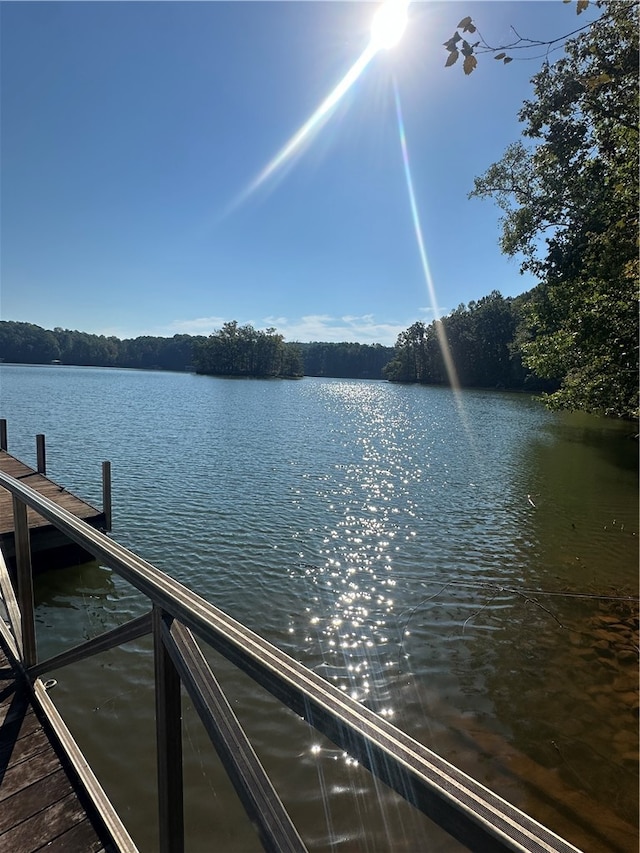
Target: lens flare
440,329
387,28
311,126
442,335
389,23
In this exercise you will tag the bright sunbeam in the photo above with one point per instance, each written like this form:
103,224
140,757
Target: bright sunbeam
313,124
442,336
440,329
388,25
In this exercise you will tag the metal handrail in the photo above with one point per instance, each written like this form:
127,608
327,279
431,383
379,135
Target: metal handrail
462,806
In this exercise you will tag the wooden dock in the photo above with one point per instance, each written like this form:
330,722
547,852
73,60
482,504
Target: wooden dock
47,543
41,803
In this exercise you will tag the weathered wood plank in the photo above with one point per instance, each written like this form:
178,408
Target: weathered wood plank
13,751
50,822
79,839
44,486
18,808
14,699
18,723
21,775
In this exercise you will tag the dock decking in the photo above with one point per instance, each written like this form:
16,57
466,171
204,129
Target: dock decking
41,804
45,538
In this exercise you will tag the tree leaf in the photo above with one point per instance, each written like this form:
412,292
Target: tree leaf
500,56
581,6
451,44
465,22
507,59
452,58
470,29
470,63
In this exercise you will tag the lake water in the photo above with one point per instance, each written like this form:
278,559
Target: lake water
465,565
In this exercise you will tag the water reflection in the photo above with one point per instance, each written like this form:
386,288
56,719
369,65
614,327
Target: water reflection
87,589
387,615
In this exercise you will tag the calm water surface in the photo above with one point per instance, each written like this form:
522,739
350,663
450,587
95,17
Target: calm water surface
465,567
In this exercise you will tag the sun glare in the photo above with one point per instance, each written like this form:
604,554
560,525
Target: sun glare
387,28
389,24
314,122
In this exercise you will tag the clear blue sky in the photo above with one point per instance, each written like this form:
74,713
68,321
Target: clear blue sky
130,132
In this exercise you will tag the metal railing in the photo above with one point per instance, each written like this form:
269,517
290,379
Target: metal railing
467,810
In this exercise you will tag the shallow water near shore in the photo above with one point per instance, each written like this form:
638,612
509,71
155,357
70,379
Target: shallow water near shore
465,566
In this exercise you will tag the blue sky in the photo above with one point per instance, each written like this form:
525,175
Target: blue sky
131,132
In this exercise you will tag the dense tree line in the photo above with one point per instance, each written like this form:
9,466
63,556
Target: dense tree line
476,346
25,343
244,351
239,350
349,360
482,341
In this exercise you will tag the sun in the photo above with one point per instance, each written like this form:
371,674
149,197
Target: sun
389,23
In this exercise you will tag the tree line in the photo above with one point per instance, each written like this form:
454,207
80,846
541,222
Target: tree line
347,360
475,346
26,343
233,350
483,341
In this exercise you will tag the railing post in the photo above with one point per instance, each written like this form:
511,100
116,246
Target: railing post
106,494
3,433
169,744
25,582
41,455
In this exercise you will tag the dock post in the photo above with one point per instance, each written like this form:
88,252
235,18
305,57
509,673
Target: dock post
25,582
106,494
169,743
40,453
3,433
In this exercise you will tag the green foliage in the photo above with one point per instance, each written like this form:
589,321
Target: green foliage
25,343
482,338
570,202
345,359
244,351
238,350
